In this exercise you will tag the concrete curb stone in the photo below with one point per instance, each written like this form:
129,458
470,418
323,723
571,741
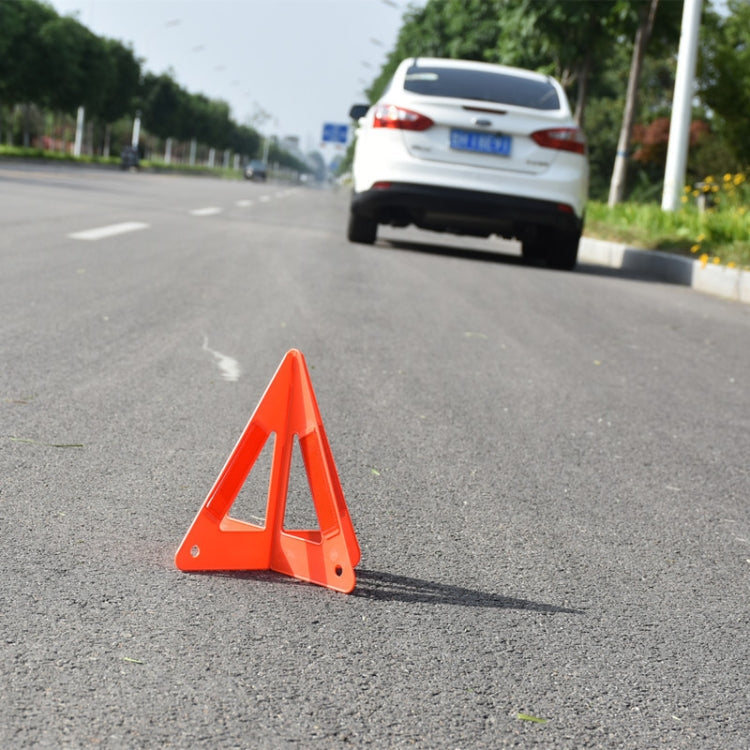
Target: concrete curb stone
720,281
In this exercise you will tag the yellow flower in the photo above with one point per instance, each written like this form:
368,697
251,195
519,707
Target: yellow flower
695,193
703,260
730,264
687,188
700,238
709,179
695,248
739,179
684,199
727,177
716,261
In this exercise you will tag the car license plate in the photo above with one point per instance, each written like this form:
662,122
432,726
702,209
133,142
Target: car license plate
483,143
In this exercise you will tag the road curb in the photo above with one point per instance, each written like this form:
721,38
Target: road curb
720,281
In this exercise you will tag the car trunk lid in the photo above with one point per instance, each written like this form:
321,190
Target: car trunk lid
470,133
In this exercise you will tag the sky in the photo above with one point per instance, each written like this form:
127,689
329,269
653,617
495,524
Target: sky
292,65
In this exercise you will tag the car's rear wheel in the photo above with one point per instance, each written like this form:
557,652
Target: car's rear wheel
534,251
361,229
563,251
557,249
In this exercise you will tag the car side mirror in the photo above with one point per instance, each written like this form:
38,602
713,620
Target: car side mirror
358,111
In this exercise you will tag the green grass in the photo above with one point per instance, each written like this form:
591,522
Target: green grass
18,152
719,234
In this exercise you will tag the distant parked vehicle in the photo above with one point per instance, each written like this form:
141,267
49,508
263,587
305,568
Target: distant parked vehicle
256,170
129,158
472,148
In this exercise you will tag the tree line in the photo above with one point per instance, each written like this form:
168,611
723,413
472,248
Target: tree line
588,46
54,64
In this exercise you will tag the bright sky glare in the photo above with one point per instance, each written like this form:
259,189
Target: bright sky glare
290,64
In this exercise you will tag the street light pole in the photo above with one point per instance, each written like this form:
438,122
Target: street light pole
136,130
679,128
79,133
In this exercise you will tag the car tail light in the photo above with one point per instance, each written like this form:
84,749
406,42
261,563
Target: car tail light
564,139
390,116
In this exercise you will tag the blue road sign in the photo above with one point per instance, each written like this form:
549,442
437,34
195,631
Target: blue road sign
335,133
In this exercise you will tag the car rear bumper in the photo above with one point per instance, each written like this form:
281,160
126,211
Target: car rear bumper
463,211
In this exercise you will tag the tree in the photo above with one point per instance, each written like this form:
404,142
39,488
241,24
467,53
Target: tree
565,39
22,73
642,35
75,65
724,76
123,81
570,41
245,140
164,105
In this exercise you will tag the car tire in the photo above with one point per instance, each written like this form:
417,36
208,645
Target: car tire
535,251
563,251
361,229
556,250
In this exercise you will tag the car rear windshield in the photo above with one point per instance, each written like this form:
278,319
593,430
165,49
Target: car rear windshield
484,85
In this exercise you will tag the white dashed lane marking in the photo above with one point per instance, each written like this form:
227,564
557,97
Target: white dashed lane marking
208,211
109,231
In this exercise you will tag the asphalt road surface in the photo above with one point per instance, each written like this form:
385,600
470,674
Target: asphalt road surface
547,474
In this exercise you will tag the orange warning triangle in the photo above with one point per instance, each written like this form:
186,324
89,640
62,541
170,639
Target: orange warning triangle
325,556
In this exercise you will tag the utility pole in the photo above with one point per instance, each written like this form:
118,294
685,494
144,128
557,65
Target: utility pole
682,106
136,129
79,133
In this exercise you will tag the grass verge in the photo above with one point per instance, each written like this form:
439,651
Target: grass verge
720,233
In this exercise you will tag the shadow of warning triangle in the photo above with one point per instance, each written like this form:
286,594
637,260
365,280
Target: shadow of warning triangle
325,555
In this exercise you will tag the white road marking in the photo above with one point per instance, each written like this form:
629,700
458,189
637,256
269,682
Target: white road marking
208,211
109,231
230,368
243,203
264,198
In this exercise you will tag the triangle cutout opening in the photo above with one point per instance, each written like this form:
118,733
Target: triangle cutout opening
300,512
251,503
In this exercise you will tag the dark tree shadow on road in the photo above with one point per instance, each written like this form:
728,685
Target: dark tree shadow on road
377,585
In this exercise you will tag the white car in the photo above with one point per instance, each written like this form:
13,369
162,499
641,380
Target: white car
472,148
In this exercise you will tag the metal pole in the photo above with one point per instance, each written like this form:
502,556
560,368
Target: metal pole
679,129
79,133
136,131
